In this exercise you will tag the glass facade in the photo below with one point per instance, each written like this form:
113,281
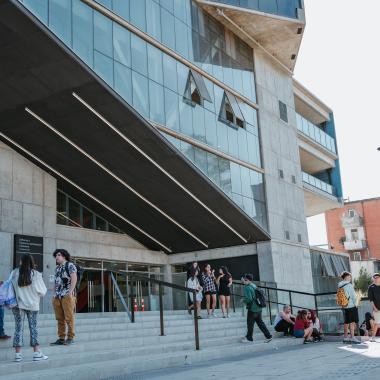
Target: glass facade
154,83
243,185
316,133
72,213
286,8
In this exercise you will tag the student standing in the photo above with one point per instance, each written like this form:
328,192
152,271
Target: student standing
29,288
64,299
224,282
350,311
209,288
193,283
254,311
374,297
3,336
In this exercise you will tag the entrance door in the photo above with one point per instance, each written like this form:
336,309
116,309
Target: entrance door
90,293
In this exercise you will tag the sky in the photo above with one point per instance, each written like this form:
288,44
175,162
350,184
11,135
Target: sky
339,61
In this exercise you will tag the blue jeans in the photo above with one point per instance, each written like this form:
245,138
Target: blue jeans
2,333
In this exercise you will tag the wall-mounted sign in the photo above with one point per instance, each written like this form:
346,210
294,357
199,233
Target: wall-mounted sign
34,245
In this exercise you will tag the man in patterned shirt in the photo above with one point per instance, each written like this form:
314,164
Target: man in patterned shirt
64,298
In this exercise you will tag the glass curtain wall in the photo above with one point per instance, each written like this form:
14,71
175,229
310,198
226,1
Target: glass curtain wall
154,83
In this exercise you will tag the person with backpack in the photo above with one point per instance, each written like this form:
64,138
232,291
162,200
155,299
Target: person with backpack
346,298
29,287
255,301
64,299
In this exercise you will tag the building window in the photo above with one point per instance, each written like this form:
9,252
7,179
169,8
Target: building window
354,234
196,91
230,111
351,213
283,111
293,178
299,236
357,256
72,213
287,235
281,173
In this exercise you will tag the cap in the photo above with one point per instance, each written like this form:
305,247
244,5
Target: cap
375,275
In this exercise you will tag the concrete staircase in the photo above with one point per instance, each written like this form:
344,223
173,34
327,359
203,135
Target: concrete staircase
110,345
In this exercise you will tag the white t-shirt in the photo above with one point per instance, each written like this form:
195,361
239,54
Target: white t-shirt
193,283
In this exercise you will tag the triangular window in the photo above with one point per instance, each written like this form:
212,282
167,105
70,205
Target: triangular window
196,91
230,111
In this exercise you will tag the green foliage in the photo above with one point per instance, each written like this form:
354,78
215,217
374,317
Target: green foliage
363,281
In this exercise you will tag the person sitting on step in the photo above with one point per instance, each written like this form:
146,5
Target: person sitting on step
302,328
284,321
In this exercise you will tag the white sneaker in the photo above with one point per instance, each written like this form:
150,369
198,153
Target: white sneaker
214,315
346,340
372,339
355,341
245,340
38,356
18,358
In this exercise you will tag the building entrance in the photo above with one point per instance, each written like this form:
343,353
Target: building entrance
97,292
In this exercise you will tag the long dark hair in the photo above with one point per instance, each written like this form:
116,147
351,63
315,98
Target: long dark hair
302,315
225,270
25,270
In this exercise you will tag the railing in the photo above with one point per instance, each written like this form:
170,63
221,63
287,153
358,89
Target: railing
317,183
134,279
324,304
289,9
315,133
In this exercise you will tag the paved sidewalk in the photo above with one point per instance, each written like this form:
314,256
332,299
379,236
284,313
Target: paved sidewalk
317,361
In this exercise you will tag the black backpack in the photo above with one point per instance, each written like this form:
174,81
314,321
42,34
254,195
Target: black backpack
79,274
260,298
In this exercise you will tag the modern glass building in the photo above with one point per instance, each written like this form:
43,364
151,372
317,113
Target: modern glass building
168,132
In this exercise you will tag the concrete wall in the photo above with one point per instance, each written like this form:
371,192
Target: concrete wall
282,257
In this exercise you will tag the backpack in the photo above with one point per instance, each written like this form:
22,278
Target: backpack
341,297
79,274
260,298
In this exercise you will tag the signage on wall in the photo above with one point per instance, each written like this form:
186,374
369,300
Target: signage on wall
29,244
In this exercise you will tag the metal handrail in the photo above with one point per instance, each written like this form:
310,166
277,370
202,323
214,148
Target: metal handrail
118,291
161,284
290,292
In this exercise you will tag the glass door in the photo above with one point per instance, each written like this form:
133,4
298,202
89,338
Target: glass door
90,293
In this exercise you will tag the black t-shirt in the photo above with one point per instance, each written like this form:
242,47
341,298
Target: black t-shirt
374,295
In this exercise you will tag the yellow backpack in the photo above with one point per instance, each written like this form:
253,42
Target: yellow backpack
341,297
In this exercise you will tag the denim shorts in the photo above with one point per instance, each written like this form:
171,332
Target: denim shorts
299,333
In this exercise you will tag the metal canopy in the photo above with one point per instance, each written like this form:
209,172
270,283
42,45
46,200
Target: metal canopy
59,114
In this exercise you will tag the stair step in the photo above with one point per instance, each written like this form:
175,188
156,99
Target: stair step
105,364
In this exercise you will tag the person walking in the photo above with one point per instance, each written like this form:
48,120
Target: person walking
350,311
64,299
374,297
29,288
224,282
254,313
193,283
209,288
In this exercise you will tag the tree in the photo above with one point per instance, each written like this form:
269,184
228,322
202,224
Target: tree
363,281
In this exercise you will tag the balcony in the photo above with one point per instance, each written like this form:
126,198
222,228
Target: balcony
353,245
317,183
289,8
276,26
319,195
352,221
316,134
